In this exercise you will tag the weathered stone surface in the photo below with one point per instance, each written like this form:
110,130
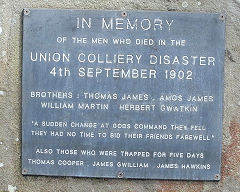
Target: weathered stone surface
10,99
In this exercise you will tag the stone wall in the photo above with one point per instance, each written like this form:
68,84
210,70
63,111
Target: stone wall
10,99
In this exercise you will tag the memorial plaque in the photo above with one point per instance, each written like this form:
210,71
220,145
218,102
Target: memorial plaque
122,94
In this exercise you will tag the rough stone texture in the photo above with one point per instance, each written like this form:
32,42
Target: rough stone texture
10,99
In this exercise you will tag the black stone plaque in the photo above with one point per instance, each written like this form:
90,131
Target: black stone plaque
122,94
